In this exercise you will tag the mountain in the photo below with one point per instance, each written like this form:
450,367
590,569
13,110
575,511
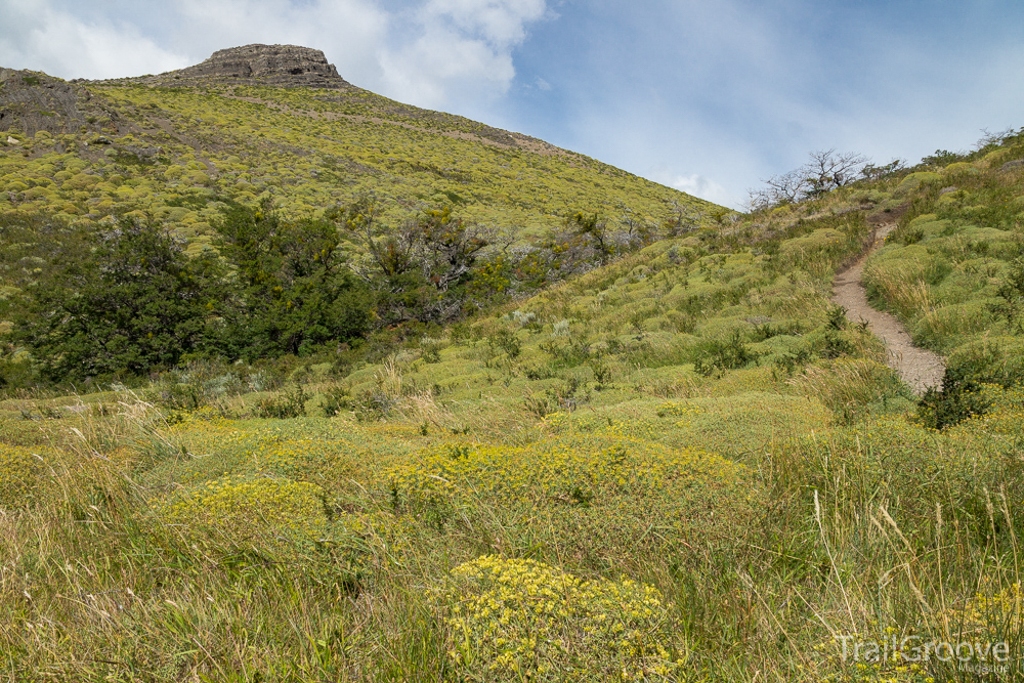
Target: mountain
279,121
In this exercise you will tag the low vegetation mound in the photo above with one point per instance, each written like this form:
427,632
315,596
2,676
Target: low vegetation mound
514,620
233,514
20,472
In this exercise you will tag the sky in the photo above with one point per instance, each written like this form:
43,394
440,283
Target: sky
709,96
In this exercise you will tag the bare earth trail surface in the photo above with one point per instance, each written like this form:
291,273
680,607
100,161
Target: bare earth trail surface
919,368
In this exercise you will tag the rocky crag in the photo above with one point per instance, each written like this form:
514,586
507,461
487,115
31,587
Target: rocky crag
277,65
32,101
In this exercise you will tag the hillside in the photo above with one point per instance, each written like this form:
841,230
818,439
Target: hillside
173,147
258,185
680,463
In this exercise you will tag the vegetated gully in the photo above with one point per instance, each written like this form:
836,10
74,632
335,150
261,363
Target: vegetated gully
920,368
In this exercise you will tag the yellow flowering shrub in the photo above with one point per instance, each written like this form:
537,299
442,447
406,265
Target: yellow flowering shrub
583,471
19,473
596,498
237,514
521,620
323,451
978,637
989,615
1004,419
890,657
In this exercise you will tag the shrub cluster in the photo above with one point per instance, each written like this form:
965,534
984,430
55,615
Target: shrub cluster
515,620
20,469
274,517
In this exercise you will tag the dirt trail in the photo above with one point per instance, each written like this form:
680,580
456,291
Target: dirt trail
918,367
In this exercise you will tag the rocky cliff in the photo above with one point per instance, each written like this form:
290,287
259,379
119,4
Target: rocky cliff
31,101
283,65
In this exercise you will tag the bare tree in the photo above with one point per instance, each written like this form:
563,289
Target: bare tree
872,172
683,218
786,188
829,170
824,171
990,139
634,231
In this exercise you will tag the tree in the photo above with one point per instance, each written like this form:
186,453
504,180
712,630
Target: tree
829,170
594,232
418,269
824,171
872,172
133,304
787,188
294,290
682,219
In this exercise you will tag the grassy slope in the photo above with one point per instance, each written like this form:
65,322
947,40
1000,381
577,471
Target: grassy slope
781,498
173,152
945,271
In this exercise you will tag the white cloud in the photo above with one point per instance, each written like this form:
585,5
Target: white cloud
442,64
502,23
34,35
463,50
436,53
698,186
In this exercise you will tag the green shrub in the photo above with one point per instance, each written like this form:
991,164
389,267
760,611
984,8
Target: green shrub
991,360
20,469
134,303
959,398
713,356
1011,293
851,387
916,180
288,404
296,292
506,341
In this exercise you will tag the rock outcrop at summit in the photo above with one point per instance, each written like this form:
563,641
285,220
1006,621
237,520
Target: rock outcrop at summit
287,65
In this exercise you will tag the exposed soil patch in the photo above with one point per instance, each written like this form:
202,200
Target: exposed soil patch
918,367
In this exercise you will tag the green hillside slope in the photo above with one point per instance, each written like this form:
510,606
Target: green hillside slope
289,189
173,153
685,465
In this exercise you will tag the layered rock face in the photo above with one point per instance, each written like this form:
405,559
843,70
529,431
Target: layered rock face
268,64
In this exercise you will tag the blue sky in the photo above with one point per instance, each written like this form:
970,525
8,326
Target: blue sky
709,97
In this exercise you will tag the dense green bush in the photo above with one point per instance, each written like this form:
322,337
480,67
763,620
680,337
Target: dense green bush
293,291
715,356
959,399
991,360
134,303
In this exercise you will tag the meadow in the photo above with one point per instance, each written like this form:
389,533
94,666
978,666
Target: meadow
684,465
